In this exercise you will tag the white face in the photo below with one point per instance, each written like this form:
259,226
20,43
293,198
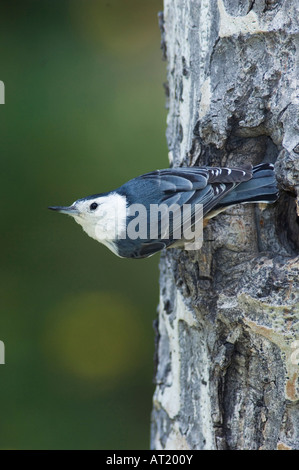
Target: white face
102,218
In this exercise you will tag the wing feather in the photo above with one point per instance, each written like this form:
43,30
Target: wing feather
179,186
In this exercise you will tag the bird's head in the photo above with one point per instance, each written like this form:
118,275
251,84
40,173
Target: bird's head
102,216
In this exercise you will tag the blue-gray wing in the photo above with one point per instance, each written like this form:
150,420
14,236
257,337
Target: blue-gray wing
176,187
200,185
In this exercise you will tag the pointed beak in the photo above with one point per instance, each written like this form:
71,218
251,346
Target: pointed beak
69,210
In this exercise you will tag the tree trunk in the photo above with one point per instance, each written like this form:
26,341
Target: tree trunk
227,332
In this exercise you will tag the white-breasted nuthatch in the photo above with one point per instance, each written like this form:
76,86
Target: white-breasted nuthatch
109,217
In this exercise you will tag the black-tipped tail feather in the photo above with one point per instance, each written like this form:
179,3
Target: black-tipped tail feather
262,187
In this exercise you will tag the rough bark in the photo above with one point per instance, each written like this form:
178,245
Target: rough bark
227,331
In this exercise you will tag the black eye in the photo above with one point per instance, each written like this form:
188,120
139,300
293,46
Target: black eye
93,206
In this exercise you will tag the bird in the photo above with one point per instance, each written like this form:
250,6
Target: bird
110,217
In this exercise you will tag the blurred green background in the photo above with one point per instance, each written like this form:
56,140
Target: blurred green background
84,113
